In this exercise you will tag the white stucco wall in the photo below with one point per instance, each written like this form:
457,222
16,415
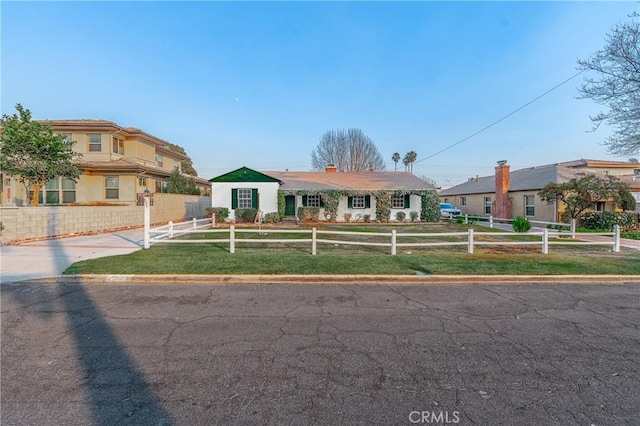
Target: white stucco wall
267,193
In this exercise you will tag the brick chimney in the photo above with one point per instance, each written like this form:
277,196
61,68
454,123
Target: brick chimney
331,168
502,204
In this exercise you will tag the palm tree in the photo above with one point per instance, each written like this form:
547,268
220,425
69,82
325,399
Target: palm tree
395,157
412,157
406,162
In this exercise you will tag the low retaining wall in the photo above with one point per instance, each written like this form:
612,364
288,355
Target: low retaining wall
25,223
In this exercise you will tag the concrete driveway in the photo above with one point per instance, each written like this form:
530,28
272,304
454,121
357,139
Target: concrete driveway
320,354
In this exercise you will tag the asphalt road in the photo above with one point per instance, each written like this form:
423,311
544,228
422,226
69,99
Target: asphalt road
303,354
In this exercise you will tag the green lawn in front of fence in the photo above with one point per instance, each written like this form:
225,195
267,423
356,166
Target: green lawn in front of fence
296,258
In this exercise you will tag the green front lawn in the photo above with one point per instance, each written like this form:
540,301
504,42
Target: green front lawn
277,258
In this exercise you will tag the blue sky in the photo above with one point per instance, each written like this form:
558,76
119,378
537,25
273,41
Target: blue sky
258,83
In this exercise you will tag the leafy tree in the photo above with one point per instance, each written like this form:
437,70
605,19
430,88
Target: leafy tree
395,157
581,194
32,153
349,150
179,184
617,86
187,164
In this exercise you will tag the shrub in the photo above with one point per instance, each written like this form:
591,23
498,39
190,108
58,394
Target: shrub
272,217
347,217
246,215
460,220
604,221
220,213
367,218
359,218
308,214
400,216
414,216
520,224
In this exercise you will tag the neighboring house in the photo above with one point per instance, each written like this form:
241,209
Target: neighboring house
332,192
117,164
515,193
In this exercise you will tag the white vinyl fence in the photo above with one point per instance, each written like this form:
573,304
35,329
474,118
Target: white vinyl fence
171,233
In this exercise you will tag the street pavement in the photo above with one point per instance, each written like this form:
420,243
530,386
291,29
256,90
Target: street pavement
328,354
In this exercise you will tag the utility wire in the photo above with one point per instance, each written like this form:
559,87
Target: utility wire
501,119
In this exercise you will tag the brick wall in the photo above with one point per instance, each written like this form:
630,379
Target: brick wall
24,223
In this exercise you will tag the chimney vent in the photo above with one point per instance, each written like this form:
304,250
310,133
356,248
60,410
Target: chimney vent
331,168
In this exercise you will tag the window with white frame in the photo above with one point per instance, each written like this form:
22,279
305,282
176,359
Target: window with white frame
397,201
117,146
160,160
529,205
358,202
95,142
112,187
244,198
600,206
59,190
487,205
463,201
314,201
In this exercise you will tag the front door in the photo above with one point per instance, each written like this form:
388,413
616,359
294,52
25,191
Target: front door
290,205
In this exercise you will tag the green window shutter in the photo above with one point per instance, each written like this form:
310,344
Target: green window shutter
407,201
367,201
304,200
254,198
234,199
321,201
350,202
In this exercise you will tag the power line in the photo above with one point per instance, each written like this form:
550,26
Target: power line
502,119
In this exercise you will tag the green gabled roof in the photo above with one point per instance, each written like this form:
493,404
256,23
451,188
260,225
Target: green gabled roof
243,174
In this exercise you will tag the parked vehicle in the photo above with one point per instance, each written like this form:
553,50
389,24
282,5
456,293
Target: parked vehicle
449,211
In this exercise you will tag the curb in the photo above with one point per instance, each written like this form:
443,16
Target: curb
339,279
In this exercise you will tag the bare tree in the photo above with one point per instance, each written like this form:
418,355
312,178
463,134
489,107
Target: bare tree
349,150
617,86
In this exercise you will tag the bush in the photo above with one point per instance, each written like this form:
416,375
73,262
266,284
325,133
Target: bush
520,224
460,220
272,217
400,216
604,221
220,213
414,216
367,218
347,217
246,215
308,214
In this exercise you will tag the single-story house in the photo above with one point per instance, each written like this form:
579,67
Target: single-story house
515,193
340,196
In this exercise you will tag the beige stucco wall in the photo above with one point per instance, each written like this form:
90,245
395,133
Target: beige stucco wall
475,205
22,223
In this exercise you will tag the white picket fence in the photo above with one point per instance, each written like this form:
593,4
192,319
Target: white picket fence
171,233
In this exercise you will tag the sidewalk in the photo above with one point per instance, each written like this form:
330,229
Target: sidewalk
49,258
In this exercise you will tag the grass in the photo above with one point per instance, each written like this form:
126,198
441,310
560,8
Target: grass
283,258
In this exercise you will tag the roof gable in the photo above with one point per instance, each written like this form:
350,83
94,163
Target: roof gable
243,174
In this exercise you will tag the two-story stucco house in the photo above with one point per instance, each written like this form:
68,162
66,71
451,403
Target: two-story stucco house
117,164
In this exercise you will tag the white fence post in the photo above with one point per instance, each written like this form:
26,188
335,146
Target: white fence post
147,222
213,220
195,224
470,239
491,221
616,238
573,229
313,241
232,239
170,229
545,241
393,242
466,219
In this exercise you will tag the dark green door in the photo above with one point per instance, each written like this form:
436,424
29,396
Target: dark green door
290,205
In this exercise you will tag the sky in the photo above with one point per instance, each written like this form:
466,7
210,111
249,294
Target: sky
256,84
